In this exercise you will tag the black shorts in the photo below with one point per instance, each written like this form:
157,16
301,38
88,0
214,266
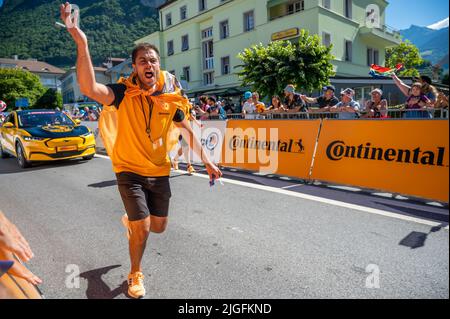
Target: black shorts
144,196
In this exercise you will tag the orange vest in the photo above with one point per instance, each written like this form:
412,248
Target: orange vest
124,130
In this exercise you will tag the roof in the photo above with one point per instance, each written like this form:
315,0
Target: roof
31,65
166,4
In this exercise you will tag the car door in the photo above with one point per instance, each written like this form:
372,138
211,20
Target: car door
7,134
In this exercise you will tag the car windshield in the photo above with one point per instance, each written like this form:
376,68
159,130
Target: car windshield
43,118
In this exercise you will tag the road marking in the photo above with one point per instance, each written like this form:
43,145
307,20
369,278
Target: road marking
292,186
318,199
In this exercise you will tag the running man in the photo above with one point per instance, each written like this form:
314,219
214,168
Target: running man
146,106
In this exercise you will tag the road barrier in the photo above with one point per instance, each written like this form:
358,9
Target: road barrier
407,156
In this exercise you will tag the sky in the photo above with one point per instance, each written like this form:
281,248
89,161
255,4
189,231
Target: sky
402,13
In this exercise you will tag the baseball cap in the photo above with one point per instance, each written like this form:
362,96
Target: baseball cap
290,88
349,92
248,95
379,91
329,87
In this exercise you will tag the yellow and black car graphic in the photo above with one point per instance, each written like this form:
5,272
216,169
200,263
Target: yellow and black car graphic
44,135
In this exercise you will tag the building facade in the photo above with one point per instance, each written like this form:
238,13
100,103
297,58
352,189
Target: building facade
71,90
199,40
47,73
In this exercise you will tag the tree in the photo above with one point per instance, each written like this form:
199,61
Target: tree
305,63
51,99
15,84
407,54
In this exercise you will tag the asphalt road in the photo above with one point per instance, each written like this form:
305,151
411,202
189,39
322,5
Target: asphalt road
230,241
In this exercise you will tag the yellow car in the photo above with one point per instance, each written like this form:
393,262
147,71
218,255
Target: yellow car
44,135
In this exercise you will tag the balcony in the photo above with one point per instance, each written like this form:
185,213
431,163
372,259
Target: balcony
385,35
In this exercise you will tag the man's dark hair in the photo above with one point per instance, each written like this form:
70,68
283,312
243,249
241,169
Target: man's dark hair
211,98
141,47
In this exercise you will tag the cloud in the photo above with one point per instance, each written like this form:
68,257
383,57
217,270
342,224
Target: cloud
439,25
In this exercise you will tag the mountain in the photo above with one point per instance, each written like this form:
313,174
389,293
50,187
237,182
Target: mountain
432,42
27,29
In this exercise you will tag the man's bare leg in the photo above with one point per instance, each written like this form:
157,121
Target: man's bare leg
139,231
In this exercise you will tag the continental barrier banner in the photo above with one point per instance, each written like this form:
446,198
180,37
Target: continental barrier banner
408,157
271,147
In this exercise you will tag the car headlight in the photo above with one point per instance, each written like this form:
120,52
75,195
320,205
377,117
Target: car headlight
88,134
33,138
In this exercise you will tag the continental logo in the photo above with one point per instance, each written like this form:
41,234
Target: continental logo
339,150
284,146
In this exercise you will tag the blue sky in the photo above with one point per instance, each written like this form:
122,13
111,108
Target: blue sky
402,13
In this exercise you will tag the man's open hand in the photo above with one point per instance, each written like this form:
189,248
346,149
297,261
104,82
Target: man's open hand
72,24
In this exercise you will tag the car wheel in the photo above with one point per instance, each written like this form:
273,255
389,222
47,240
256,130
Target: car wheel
2,153
88,158
21,160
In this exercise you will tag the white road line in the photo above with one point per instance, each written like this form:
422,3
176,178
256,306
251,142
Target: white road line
292,186
319,200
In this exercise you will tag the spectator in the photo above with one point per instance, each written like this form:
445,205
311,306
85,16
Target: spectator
293,101
347,108
85,114
377,107
325,101
260,106
277,105
249,108
215,109
203,107
428,89
416,100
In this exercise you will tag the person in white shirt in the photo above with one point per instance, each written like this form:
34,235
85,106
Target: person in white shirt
249,108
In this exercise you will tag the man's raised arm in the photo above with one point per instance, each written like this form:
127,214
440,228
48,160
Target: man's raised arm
85,71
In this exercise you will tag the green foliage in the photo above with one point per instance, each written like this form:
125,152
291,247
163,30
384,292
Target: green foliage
407,54
305,63
51,99
16,84
27,29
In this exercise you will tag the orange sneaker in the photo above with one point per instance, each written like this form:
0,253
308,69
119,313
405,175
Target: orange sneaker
136,287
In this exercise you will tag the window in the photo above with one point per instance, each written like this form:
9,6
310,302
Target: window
207,33
187,73
225,65
208,78
348,51
326,4
183,13
348,8
168,19
326,39
224,29
170,50
201,5
185,42
296,7
373,56
249,21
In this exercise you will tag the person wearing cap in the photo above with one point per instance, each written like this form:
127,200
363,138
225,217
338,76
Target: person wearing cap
325,101
427,88
376,107
347,108
293,101
249,108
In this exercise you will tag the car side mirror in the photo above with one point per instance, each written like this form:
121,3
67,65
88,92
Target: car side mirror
77,122
8,125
